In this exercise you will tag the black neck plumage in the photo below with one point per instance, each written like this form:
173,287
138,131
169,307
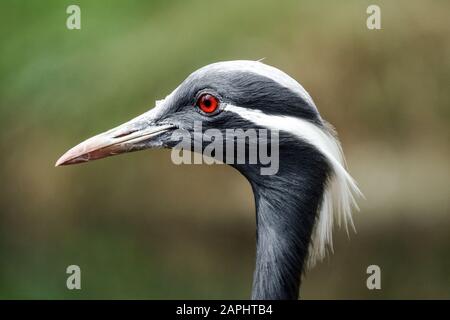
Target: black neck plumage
286,208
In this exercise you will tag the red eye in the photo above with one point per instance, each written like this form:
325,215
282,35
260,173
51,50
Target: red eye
208,103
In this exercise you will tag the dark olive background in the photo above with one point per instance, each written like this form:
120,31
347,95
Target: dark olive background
141,227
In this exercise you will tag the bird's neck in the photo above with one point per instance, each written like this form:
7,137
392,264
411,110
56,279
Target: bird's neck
286,209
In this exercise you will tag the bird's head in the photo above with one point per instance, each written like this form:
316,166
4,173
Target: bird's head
220,96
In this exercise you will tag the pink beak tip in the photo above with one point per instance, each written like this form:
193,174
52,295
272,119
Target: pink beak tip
60,162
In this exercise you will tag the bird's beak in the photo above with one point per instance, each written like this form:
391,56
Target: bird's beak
134,135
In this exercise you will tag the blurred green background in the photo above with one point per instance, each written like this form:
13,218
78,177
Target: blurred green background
139,226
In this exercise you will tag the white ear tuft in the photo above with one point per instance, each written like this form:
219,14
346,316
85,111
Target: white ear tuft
338,200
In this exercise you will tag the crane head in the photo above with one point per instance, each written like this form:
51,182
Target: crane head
223,95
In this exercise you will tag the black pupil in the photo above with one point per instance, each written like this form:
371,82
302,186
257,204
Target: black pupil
207,102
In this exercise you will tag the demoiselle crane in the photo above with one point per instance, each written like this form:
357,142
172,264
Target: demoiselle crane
297,205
